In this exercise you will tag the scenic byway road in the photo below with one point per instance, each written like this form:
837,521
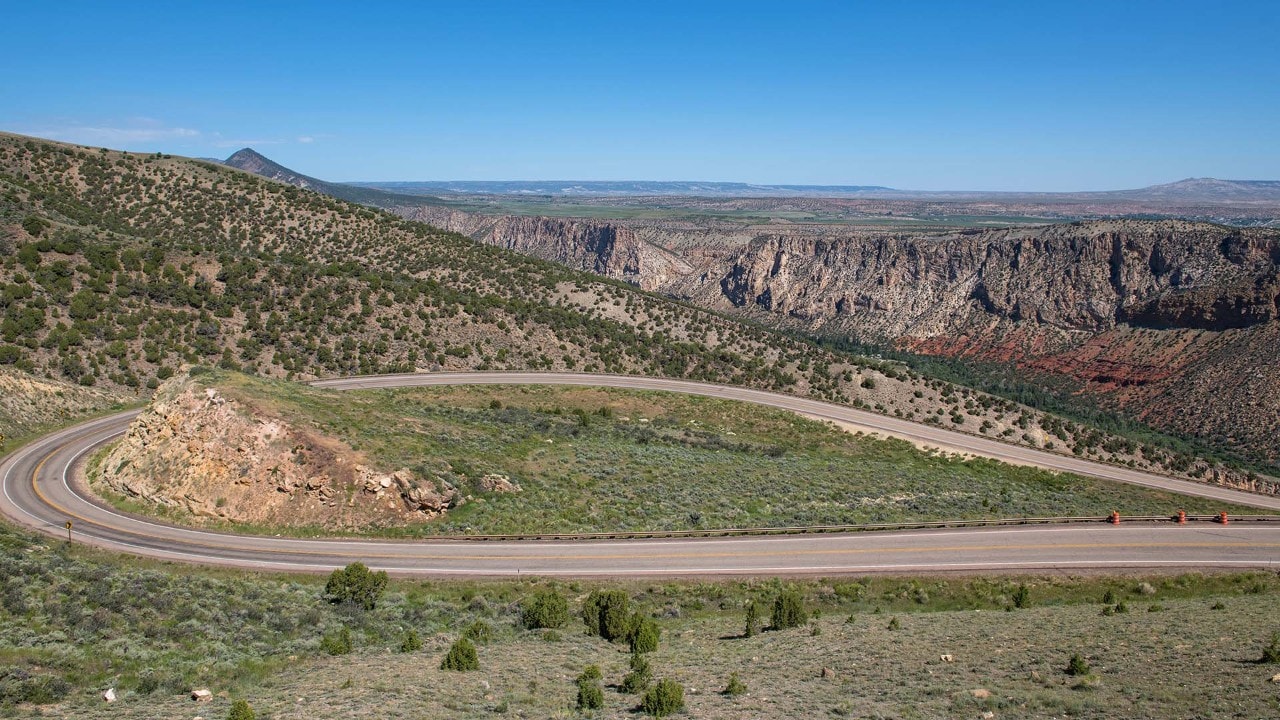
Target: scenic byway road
41,491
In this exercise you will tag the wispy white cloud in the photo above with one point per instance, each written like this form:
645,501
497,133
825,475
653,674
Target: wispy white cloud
144,131
115,136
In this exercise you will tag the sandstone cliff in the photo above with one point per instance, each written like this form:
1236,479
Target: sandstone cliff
214,456
603,248
1174,322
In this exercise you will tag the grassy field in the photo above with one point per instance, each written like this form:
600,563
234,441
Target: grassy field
607,460
74,622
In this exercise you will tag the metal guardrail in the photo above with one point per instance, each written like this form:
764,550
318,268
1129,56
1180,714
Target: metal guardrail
868,527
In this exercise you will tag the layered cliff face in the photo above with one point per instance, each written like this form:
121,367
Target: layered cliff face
1177,323
1076,278
603,248
213,456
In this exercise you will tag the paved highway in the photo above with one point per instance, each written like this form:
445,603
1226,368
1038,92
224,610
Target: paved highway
41,490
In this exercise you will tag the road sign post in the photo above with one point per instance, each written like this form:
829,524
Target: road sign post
68,531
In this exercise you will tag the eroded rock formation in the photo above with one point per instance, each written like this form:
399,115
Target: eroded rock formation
214,456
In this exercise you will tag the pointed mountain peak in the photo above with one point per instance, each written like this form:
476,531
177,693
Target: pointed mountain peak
245,154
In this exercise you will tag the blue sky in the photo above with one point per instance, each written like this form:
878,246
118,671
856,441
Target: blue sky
921,95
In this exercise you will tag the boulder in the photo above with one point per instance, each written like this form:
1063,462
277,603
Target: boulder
109,695
980,693
494,482
425,498
202,695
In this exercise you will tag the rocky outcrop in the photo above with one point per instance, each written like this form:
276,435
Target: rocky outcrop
1079,277
1147,314
197,449
603,248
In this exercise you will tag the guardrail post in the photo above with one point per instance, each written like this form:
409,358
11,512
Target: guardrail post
1222,518
1182,517
1114,518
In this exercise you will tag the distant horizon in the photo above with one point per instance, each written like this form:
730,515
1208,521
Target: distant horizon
867,186
790,184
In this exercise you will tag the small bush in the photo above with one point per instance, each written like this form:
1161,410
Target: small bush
735,686
461,657
645,634
1022,597
34,226
356,584
338,643
640,676
607,614
788,611
590,694
753,619
411,642
148,683
663,699
19,686
1271,653
479,632
1077,666
241,710
894,624
1109,598
547,609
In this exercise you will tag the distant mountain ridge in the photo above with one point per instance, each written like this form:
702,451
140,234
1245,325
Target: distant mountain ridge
1222,190
1191,190
388,193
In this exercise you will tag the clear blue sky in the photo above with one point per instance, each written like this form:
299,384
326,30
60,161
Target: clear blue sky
920,95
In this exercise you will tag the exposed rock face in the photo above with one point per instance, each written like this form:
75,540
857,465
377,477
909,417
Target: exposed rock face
603,248
1175,322
1072,278
212,456
493,482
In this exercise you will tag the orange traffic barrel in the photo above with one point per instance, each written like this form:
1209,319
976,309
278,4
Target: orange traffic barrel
1182,517
1222,518
1114,519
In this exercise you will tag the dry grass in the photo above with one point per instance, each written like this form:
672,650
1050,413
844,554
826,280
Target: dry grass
1183,661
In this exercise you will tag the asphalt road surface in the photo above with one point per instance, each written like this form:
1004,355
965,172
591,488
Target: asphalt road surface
41,490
